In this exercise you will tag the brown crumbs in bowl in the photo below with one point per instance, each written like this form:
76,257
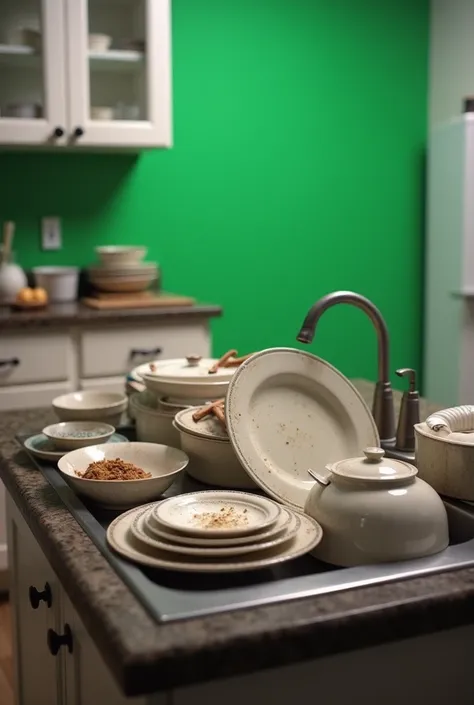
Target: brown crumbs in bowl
113,470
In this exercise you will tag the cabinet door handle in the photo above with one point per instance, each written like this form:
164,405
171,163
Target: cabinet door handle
55,640
44,596
78,132
58,132
137,352
11,362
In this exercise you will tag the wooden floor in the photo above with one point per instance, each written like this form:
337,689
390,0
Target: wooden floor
6,662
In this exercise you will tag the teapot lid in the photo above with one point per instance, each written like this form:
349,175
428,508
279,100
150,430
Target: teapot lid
373,466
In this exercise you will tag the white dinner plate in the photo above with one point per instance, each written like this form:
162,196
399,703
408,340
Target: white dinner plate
122,540
42,447
140,530
197,513
288,411
171,536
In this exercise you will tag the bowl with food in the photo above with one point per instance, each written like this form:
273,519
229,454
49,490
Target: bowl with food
91,405
122,475
70,435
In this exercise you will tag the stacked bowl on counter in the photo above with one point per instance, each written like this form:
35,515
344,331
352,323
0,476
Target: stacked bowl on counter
121,270
163,414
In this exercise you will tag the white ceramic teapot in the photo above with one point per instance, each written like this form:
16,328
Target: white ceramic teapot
375,510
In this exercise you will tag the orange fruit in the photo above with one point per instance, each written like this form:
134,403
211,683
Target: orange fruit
40,295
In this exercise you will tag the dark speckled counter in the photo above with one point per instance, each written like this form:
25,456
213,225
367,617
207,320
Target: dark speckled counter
70,314
146,656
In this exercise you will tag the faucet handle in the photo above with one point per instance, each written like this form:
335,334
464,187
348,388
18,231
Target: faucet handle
411,374
409,412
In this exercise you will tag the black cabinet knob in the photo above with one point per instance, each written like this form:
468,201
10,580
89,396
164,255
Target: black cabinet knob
78,132
44,596
11,362
55,640
138,352
58,132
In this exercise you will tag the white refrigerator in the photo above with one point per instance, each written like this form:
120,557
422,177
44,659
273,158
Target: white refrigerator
448,341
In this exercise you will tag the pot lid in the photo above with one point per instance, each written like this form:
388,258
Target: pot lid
208,427
373,466
187,369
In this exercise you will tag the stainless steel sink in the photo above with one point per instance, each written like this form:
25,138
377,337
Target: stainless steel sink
174,596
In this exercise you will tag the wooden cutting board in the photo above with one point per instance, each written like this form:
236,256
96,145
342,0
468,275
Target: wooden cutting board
109,302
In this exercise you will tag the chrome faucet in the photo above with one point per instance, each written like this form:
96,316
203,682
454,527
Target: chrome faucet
382,409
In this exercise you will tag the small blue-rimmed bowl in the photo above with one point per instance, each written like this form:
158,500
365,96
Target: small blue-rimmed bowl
70,435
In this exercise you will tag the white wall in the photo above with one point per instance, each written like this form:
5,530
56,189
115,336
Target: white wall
451,57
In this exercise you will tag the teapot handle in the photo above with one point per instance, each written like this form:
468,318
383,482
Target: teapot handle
320,479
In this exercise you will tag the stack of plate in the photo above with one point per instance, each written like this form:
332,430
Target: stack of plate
121,271
213,532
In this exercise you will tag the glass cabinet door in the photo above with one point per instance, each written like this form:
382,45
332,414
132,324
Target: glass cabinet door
32,57
119,63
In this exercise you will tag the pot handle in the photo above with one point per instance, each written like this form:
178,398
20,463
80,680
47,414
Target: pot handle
320,479
458,418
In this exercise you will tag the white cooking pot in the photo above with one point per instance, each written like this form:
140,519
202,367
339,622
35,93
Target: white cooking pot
154,424
212,459
375,510
186,378
445,451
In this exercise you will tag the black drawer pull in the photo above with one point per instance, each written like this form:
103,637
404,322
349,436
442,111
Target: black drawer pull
55,640
12,362
138,352
36,596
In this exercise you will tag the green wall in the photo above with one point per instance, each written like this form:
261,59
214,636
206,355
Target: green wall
296,170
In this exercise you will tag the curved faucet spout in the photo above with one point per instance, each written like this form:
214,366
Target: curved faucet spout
383,403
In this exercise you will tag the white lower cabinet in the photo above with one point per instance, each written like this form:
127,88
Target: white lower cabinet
56,662
86,677
35,367
34,597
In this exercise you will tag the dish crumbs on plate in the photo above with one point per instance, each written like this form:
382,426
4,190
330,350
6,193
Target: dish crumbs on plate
226,518
113,470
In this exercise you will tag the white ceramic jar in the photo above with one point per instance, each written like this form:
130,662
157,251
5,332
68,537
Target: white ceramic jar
375,510
60,283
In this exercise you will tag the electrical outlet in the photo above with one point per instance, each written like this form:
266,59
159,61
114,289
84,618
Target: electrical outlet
51,233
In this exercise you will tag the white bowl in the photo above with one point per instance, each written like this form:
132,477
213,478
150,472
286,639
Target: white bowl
213,462
163,462
70,435
99,42
137,270
90,405
61,283
120,256
154,424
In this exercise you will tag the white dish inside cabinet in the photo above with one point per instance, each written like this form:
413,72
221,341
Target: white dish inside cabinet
85,74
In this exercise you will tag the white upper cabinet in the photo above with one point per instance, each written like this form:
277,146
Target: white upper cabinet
85,74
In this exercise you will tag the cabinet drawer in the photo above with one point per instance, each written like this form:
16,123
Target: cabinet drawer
31,396
38,358
117,350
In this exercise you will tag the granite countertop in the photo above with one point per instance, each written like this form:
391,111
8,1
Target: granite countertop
145,656
58,315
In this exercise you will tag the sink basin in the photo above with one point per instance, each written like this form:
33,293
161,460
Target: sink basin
173,596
